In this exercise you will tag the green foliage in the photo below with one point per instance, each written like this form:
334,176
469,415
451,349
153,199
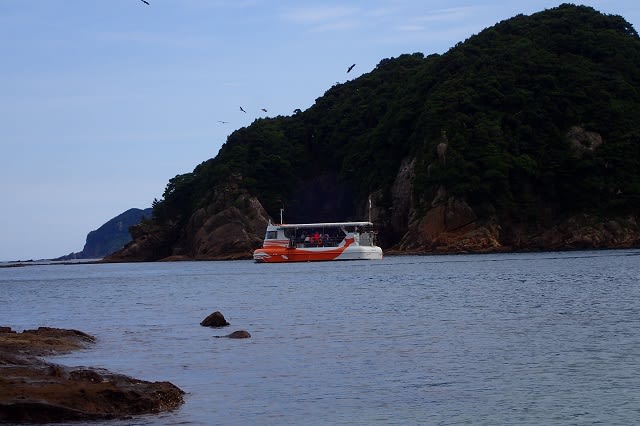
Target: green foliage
502,101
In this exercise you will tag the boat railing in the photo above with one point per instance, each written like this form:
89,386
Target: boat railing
366,239
307,242
328,236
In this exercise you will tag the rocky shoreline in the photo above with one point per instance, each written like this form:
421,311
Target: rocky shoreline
449,227
33,390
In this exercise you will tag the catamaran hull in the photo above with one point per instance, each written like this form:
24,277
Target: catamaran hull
286,254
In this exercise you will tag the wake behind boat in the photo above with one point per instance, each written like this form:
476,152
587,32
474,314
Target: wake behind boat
313,242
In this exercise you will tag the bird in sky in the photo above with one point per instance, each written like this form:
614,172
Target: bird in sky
145,2
241,109
264,109
351,67
223,122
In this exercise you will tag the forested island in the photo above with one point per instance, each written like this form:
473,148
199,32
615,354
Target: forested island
109,237
523,137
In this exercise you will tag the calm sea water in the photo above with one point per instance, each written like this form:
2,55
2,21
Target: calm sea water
526,339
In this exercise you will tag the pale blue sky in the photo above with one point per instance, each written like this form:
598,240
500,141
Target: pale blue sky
103,101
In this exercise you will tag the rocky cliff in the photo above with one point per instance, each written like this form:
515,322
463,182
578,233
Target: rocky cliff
451,226
228,228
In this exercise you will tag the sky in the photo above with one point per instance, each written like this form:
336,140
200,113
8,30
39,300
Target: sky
103,101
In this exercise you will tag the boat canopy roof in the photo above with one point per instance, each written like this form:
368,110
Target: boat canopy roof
321,225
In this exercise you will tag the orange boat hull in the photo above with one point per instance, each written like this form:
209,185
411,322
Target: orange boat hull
279,254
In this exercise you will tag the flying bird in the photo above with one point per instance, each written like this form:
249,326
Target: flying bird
351,67
145,2
241,109
223,122
264,109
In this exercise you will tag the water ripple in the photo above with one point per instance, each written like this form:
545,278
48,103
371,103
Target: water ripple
533,338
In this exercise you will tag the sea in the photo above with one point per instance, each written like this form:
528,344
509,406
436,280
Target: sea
495,339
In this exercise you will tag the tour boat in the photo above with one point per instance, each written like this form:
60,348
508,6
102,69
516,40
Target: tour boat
313,242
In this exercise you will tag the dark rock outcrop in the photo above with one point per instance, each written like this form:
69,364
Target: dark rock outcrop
451,228
35,391
231,233
216,319
150,242
229,228
584,231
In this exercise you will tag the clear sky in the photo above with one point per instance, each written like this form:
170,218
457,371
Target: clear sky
103,101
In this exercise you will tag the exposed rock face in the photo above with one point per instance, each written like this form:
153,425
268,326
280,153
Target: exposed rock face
231,227
150,242
448,227
232,233
36,391
451,228
401,197
586,232
216,319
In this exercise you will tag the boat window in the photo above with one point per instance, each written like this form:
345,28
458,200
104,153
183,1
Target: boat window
272,235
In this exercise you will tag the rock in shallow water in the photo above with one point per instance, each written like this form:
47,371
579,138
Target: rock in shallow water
216,319
238,334
35,391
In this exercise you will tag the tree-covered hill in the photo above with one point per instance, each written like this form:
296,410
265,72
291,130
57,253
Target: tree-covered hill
111,236
523,126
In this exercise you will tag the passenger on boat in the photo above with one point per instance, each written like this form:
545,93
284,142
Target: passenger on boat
316,238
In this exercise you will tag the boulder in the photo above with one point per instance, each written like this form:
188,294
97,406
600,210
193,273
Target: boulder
238,334
216,319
